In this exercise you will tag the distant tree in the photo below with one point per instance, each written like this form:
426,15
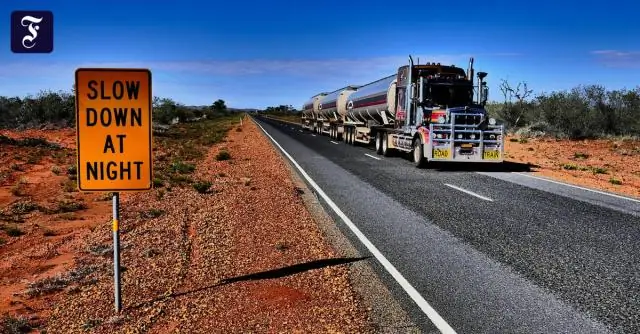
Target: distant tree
513,113
219,106
164,110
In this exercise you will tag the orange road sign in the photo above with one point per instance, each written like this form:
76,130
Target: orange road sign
113,129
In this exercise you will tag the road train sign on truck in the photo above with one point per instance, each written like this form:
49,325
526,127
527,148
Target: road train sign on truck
427,110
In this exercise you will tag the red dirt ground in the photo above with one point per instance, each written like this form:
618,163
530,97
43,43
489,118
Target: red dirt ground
31,192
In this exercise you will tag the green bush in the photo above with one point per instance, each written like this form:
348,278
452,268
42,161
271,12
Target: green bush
202,186
580,113
58,109
223,155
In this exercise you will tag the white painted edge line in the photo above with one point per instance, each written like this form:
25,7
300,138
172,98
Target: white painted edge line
437,320
371,156
468,192
579,187
333,142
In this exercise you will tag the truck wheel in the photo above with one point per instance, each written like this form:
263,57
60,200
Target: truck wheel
418,155
379,143
386,151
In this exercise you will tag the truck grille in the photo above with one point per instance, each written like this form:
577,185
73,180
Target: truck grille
467,119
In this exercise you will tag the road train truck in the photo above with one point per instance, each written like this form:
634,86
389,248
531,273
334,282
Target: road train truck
427,110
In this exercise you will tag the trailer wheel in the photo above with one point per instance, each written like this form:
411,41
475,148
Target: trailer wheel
379,143
418,155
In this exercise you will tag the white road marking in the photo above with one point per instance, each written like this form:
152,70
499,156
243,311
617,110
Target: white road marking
437,320
333,142
300,130
583,188
313,135
469,192
371,156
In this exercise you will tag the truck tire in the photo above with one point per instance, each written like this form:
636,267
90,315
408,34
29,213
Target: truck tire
379,143
386,151
418,153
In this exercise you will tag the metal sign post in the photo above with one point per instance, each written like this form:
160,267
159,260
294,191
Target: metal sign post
116,251
114,139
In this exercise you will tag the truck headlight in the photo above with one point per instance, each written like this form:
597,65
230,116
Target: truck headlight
459,135
492,121
472,136
441,120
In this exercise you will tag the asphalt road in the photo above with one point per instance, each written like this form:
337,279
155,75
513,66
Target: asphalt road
491,252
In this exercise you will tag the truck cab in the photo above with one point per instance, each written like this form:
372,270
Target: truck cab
435,108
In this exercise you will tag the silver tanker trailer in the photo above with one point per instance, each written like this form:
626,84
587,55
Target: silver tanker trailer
332,108
310,110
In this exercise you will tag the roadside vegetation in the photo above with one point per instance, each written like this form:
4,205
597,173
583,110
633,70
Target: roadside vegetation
584,112
57,110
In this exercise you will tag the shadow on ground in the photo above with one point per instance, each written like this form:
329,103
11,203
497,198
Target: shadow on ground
269,274
506,166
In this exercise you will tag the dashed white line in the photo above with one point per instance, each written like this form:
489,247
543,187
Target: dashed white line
583,188
468,192
437,320
333,142
371,156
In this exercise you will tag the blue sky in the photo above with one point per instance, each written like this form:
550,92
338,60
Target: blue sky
257,54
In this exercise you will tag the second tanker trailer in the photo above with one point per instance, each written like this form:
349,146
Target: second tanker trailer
427,110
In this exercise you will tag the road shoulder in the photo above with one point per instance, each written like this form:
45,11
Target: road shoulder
386,314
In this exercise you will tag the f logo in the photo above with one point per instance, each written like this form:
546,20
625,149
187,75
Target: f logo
32,32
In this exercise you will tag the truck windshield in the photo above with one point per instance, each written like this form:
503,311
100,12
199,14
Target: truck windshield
449,94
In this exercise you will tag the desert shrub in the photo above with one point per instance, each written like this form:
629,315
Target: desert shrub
580,113
58,109
202,186
223,155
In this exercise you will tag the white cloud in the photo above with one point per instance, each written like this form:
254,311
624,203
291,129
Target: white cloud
616,58
290,67
177,77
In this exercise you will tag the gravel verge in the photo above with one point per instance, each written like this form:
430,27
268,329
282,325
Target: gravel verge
244,256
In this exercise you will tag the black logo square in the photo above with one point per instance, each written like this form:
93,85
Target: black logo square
32,31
